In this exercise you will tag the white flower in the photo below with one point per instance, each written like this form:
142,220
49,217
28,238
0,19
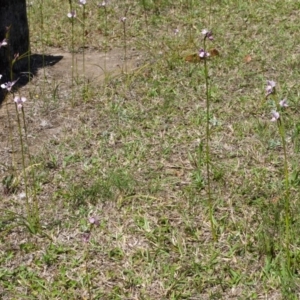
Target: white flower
283,103
8,85
3,43
72,14
270,89
203,53
275,115
19,101
207,34
22,195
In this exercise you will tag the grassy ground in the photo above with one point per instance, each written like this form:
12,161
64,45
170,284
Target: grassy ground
130,151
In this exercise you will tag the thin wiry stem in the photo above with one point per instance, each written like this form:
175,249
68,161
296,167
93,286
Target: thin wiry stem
106,38
29,213
42,42
72,46
287,194
207,149
35,199
146,17
287,204
123,20
83,37
10,134
87,254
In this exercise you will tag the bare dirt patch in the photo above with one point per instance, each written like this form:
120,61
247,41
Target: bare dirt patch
98,65
45,120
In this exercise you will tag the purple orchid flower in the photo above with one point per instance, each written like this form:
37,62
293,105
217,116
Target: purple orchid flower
3,43
94,221
207,34
72,14
19,101
275,115
270,89
8,85
283,103
203,54
103,4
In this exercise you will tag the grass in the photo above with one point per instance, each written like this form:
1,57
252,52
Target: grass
130,150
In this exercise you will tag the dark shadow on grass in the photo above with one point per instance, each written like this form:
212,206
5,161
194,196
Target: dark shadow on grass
25,74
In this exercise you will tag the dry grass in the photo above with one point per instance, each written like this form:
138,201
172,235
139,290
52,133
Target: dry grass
129,150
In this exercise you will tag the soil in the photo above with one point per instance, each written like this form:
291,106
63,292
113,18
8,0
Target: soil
97,65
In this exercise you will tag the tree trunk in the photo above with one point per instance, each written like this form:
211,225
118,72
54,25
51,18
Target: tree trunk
13,27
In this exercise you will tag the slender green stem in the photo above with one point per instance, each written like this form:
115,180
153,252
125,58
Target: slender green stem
28,210
287,204
42,42
125,46
87,257
87,254
207,149
7,35
83,53
36,212
72,46
210,14
287,194
106,39
29,50
83,37
10,134
146,17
